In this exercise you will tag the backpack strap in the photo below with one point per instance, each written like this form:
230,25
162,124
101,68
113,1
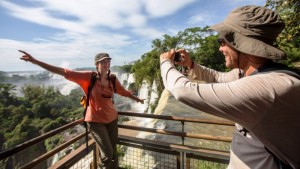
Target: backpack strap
277,67
91,85
113,81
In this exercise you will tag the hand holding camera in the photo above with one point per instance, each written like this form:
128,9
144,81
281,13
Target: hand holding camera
180,57
177,57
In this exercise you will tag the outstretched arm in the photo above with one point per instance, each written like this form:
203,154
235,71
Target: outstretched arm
123,92
54,69
133,97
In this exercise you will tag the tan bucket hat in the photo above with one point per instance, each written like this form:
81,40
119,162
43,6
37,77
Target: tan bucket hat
101,56
252,30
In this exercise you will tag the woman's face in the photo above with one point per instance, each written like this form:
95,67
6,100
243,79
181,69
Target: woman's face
103,65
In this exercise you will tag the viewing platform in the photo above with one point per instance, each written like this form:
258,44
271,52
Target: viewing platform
134,152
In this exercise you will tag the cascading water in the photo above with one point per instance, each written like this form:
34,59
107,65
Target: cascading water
153,96
130,80
64,86
142,94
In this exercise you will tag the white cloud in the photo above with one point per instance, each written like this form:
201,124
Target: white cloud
148,32
86,27
196,19
159,8
83,15
202,19
112,13
89,27
136,20
40,16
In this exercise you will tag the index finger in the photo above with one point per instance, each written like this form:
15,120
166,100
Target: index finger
23,52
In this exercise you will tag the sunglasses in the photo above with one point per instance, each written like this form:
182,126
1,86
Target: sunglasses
221,41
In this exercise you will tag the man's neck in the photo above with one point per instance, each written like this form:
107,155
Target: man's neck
252,64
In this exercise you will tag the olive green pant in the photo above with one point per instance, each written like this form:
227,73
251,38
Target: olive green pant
106,136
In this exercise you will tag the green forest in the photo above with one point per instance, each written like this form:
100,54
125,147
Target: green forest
40,109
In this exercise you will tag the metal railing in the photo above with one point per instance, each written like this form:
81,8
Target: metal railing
168,155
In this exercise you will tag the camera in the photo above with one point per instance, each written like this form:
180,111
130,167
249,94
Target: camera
177,57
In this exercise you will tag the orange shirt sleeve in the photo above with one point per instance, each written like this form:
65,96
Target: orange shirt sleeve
82,78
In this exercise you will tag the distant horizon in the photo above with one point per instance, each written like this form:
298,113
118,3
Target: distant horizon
42,70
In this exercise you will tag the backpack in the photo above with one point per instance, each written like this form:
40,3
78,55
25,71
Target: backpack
84,100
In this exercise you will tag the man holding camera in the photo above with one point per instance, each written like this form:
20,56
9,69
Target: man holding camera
261,96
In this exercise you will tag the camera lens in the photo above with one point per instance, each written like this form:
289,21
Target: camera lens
177,57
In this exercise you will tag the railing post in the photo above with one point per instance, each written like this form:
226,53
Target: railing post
188,163
182,159
178,157
95,157
182,130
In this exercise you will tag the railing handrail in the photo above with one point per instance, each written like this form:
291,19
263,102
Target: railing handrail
52,152
176,118
180,134
22,146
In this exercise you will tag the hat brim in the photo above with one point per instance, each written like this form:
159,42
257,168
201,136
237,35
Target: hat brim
248,45
99,60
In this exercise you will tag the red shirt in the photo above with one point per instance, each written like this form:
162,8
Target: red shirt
101,109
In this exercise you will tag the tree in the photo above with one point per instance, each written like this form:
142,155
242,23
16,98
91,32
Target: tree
7,94
203,47
200,43
22,132
289,39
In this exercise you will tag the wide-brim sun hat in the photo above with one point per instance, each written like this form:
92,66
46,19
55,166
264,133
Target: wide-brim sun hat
101,56
252,30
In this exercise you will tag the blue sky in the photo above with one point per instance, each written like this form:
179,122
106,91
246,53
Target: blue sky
69,33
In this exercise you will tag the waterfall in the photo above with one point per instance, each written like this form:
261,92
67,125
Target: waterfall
153,96
130,79
123,78
64,86
143,93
